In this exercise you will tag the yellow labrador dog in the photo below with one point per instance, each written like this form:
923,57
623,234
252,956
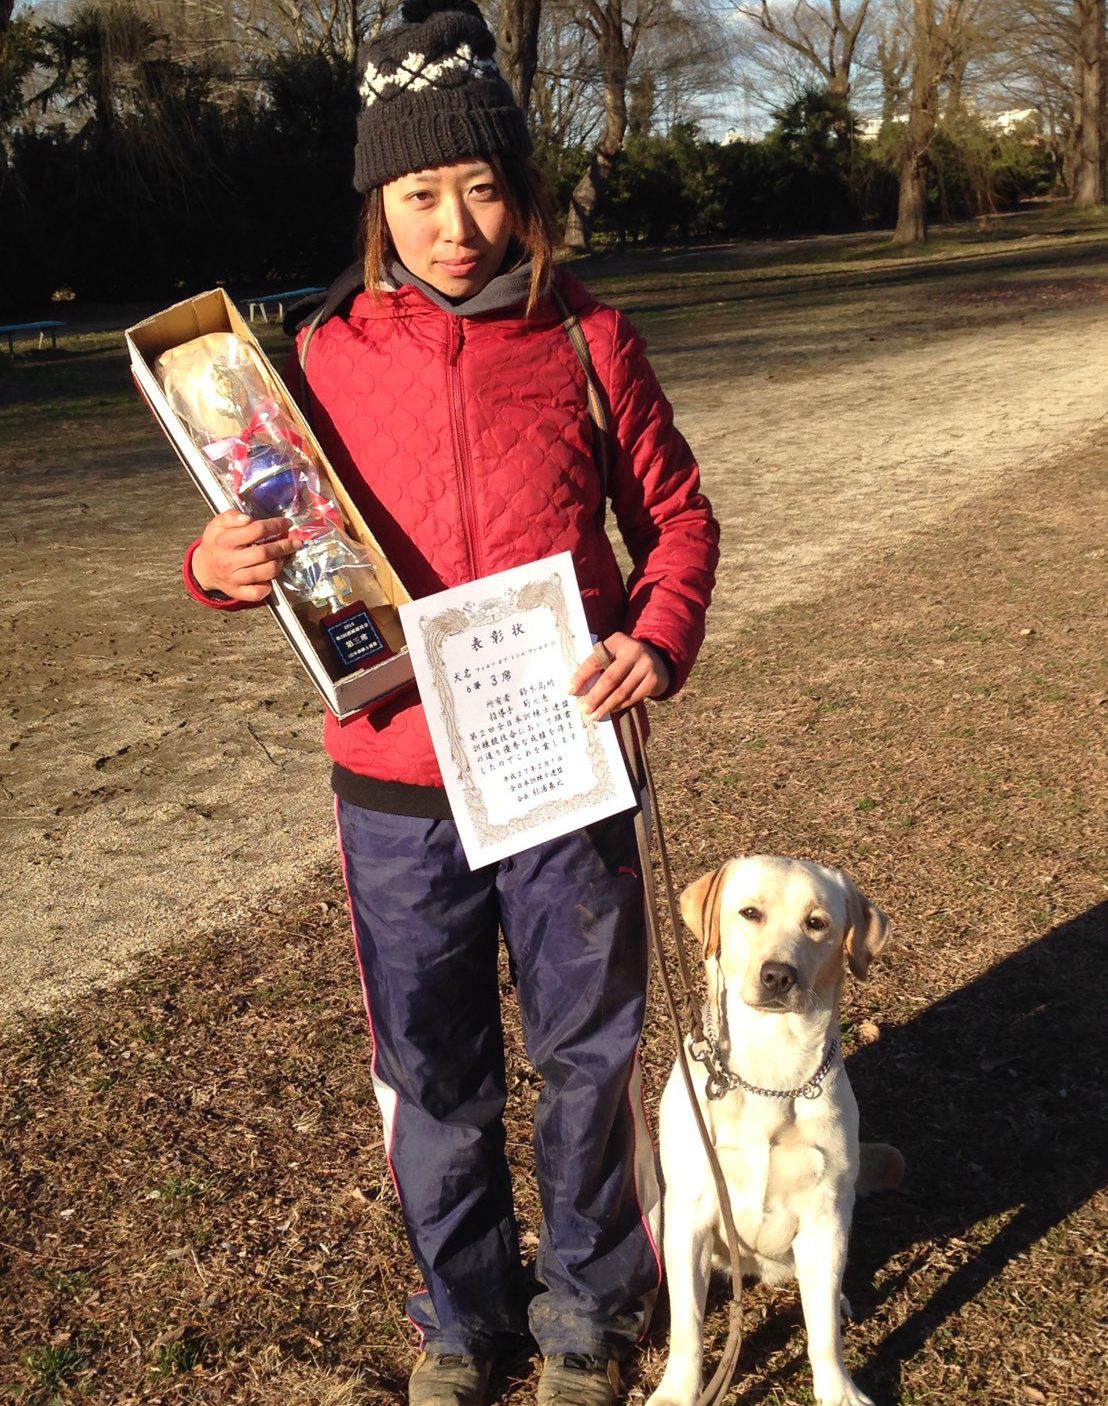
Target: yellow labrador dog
777,1103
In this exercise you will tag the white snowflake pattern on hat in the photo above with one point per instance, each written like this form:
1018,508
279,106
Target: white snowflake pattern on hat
415,73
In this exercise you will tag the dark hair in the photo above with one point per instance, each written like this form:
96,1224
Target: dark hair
532,215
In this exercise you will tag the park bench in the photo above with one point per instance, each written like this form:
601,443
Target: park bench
12,330
278,301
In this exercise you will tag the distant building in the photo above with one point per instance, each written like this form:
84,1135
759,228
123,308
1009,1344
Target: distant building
868,128
1029,118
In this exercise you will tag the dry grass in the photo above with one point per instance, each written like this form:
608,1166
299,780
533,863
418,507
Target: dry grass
194,1204
939,729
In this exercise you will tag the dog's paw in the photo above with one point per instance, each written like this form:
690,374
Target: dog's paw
663,1398
843,1393
676,1389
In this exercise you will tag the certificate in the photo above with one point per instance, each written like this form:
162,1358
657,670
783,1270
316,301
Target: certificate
492,660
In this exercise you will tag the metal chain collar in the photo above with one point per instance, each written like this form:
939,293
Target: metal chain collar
721,1078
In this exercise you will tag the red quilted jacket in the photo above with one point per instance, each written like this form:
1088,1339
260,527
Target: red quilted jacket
466,445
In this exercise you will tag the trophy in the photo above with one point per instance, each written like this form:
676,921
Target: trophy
227,403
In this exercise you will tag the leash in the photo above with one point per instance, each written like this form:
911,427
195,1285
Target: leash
635,745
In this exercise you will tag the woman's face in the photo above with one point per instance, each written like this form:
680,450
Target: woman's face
449,225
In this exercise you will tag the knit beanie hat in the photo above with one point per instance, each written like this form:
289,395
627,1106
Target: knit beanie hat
432,93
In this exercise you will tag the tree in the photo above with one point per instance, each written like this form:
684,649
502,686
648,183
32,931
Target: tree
938,30
826,37
893,58
98,56
232,38
1031,57
517,43
19,52
1088,104
615,48
672,36
333,28
816,129
564,115
682,68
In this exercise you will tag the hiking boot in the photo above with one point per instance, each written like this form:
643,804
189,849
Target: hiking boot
449,1379
572,1379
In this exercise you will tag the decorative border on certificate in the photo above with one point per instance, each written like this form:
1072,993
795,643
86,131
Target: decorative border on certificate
492,660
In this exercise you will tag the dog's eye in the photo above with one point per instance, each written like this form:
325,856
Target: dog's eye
751,914
815,923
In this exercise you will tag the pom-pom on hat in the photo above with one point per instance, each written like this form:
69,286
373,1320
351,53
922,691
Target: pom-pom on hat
431,94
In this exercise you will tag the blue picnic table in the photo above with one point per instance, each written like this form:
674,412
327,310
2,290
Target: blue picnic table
11,330
278,301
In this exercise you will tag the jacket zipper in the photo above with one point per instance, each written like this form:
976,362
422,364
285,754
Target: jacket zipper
461,449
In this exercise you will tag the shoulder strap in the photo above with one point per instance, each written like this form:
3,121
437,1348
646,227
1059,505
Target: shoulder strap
601,436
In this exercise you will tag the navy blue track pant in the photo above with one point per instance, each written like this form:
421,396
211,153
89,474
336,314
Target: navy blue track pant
427,931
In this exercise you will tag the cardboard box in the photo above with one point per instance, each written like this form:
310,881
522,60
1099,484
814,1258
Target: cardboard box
214,312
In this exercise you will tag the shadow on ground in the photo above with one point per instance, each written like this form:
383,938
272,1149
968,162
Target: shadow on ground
997,1097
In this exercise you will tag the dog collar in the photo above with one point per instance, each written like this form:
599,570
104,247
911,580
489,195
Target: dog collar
722,1079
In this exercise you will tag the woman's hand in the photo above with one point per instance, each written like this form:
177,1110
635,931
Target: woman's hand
620,672
240,556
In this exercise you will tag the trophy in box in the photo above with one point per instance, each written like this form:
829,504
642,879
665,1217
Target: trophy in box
224,398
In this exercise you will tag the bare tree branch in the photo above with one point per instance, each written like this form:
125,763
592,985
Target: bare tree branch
826,37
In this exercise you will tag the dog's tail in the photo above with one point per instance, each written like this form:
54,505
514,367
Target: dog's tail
880,1168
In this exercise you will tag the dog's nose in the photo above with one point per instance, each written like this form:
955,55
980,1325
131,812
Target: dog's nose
777,978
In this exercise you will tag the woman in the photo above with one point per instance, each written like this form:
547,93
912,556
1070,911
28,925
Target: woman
449,398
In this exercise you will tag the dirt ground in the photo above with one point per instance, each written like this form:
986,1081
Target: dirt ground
195,1202
162,773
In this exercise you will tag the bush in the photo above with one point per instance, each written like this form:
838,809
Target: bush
974,168
810,175
164,190
178,193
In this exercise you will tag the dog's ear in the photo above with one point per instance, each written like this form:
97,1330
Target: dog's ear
867,934
700,909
